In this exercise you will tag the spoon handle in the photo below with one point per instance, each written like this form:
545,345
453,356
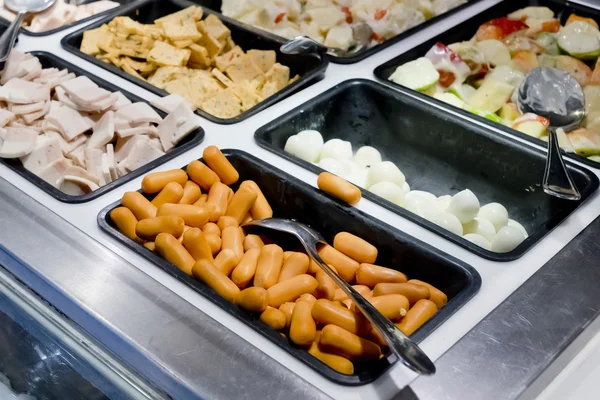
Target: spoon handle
7,40
557,181
303,45
410,354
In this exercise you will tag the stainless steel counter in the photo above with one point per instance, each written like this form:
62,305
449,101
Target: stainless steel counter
507,351
189,355
174,345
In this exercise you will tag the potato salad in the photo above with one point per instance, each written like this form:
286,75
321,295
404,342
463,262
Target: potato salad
481,75
330,21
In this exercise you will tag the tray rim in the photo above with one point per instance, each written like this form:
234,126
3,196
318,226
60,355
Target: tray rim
380,75
472,285
530,242
284,93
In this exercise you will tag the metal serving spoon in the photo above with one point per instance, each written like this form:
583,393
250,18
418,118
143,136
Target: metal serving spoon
21,7
556,95
410,354
361,33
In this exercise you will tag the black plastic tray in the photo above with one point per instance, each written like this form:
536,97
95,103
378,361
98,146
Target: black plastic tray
291,198
216,6
81,21
308,66
465,31
437,152
49,61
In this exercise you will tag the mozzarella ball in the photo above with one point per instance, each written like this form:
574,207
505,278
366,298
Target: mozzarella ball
406,187
464,205
449,222
507,239
481,227
422,206
333,166
385,171
478,240
495,213
512,222
367,156
298,147
389,191
350,167
337,149
312,138
444,202
358,177
422,194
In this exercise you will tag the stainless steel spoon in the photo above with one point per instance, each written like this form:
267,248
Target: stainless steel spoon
361,33
410,354
21,7
556,95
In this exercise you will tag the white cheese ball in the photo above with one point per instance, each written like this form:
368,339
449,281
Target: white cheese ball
349,167
333,166
422,206
478,240
464,205
337,149
422,194
385,171
495,213
312,138
406,187
512,222
481,227
367,156
507,239
444,202
358,177
298,147
389,191
449,222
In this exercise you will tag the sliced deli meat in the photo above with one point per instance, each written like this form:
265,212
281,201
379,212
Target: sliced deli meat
18,142
137,113
69,122
178,124
74,134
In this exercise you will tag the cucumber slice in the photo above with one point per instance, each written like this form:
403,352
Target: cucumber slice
488,115
546,60
548,41
580,40
491,96
419,74
450,99
463,91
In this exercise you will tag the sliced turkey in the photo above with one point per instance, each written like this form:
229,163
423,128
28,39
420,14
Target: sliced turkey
18,142
70,122
177,125
170,102
54,172
104,131
137,113
46,151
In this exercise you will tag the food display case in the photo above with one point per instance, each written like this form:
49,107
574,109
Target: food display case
92,310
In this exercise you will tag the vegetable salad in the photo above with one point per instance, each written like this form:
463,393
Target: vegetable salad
330,21
482,75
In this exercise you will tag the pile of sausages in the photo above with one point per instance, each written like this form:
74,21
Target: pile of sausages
193,221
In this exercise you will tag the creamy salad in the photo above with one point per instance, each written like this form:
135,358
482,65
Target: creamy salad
329,21
481,75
